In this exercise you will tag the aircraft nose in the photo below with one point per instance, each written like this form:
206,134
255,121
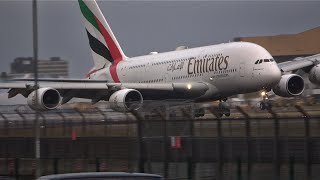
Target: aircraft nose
275,74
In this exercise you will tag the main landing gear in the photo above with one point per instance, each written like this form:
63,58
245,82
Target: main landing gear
219,110
265,103
222,109
199,112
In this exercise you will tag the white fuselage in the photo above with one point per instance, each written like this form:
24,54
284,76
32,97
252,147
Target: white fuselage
229,68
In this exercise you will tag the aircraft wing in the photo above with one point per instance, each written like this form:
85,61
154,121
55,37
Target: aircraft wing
103,85
56,85
298,63
90,89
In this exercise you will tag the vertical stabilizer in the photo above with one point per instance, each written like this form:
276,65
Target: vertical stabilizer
104,45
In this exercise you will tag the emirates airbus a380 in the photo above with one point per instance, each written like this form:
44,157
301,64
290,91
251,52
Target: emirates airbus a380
199,74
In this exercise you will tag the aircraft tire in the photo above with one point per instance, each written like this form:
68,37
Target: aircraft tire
262,106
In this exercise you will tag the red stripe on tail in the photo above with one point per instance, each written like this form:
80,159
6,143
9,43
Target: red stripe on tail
115,53
113,72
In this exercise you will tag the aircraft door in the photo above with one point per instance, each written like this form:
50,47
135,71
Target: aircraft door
147,67
166,77
242,69
123,72
257,69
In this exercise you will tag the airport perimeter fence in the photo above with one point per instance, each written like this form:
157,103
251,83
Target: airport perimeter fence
283,143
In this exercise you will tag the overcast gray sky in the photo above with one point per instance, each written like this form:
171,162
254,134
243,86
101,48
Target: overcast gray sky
144,26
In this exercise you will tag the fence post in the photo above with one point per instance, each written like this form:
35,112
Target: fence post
291,168
307,142
164,117
276,157
84,121
239,169
105,120
248,139
16,168
6,124
22,117
97,164
140,120
64,122
44,124
55,165
190,168
219,154
190,160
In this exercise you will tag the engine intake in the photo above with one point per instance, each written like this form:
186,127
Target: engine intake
48,99
126,100
289,85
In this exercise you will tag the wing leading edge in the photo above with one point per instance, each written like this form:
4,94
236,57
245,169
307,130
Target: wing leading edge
299,63
92,89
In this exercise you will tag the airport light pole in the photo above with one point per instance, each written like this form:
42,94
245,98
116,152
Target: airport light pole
35,69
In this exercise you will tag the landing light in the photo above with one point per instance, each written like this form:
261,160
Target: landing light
263,93
189,86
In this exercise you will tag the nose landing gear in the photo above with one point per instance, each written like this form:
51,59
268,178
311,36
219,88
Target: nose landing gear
265,103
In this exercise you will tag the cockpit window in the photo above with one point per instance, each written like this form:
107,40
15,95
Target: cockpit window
259,61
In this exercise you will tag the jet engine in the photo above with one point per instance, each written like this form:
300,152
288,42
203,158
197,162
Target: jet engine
289,85
314,74
48,99
125,100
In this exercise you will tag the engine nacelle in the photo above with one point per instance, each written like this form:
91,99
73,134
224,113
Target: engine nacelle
289,85
48,99
314,74
125,100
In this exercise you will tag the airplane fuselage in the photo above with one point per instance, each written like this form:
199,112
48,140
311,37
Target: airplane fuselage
228,68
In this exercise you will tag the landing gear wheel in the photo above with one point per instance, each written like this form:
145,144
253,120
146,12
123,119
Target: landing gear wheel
223,109
265,105
262,106
199,112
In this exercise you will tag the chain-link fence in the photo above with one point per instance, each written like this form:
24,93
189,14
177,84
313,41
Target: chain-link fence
282,143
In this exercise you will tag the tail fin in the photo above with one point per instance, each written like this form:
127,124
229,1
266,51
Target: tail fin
104,45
